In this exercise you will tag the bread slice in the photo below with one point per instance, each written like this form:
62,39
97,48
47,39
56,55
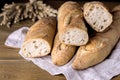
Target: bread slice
71,27
76,33
35,48
61,53
97,15
39,38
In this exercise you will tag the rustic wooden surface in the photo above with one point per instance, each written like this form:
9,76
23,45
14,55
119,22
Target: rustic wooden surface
14,67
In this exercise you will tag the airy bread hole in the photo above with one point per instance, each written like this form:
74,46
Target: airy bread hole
68,32
36,46
29,53
34,41
24,49
69,42
101,27
68,39
94,23
91,9
97,7
63,40
46,51
105,20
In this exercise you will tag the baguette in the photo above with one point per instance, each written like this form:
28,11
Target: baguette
71,27
97,15
61,53
39,38
99,47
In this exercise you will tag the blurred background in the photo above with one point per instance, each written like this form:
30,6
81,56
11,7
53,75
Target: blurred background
2,2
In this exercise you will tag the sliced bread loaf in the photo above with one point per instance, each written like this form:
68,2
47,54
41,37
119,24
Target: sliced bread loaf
39,39
99,46
97,15
71,27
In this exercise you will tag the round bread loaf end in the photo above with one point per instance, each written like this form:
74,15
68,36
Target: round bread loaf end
97,16
35,48
39,39
75,37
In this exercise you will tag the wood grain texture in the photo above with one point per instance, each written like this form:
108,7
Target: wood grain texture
14,67
24,70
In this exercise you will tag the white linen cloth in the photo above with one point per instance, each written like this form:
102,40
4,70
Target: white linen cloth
109,68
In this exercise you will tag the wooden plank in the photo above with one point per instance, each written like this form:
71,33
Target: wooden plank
24,70
7,53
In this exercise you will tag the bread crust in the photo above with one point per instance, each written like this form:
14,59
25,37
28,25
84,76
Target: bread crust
96,25
70,17
62,53
98,48
42,31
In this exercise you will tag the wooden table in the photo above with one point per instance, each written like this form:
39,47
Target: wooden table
14,67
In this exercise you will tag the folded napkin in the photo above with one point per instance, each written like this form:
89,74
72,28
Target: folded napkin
103,71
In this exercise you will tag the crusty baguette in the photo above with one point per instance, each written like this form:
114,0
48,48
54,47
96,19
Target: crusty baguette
99,47
39,38
61,53
71,27
97,15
